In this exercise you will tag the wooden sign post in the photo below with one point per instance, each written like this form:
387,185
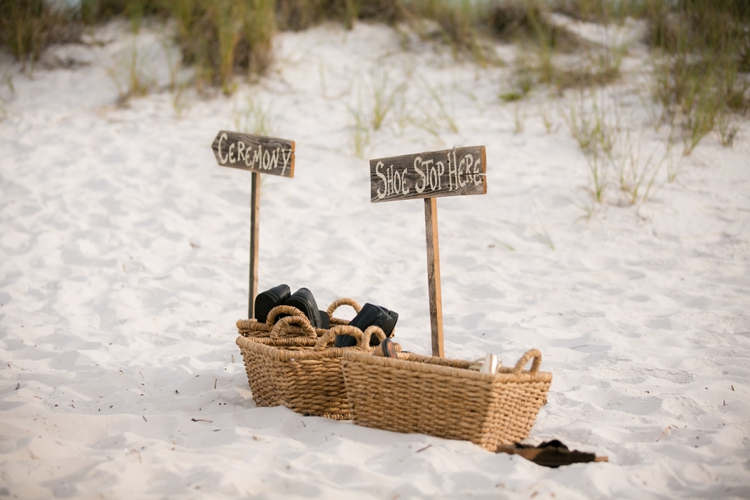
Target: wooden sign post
259,155
453,172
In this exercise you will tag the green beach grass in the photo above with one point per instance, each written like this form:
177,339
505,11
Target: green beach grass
697,81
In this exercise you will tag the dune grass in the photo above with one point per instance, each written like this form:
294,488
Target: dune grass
7,80
697,81
699,50
132,71
226,36
611,141
27,27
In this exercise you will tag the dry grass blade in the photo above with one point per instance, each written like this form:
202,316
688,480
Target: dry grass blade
442,110
132,71
254,117
360,126
598,174
519,116
383,97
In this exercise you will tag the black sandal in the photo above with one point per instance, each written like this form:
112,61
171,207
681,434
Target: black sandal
389,348
368,316
303,300
265,301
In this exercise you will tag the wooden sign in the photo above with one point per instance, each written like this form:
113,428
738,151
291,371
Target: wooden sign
453,172
264,155
260,155
459,171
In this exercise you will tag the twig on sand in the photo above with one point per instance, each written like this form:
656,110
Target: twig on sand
202,420
664,432
422,449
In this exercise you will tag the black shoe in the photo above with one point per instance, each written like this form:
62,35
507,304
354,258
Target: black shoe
394,317
325,320
303,300
368,316
345,341
269,299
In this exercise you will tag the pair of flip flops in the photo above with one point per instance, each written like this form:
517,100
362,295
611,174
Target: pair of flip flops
389,348
302,299
551,454
370,315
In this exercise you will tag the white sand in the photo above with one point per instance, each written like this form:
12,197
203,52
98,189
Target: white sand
123,267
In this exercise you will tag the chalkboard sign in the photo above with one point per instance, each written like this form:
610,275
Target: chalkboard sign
453,172
265,155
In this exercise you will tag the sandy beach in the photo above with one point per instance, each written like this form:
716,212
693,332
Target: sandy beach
124,261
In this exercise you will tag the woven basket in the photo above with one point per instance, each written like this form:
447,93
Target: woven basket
262,384
307,379
442,397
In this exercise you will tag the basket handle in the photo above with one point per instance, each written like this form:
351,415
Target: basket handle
362,338
301,321
282,309
343,302
245,323
373,330
330,336
530,354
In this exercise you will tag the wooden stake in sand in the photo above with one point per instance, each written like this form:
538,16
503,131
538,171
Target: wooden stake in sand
453,172
259,155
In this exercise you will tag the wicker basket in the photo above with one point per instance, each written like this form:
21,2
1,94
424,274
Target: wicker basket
443,398
262,384
307,379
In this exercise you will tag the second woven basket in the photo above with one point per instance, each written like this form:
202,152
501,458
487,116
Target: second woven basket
444,398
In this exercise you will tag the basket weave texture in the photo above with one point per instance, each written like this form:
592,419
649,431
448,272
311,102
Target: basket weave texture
442,397
266,391
307,379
